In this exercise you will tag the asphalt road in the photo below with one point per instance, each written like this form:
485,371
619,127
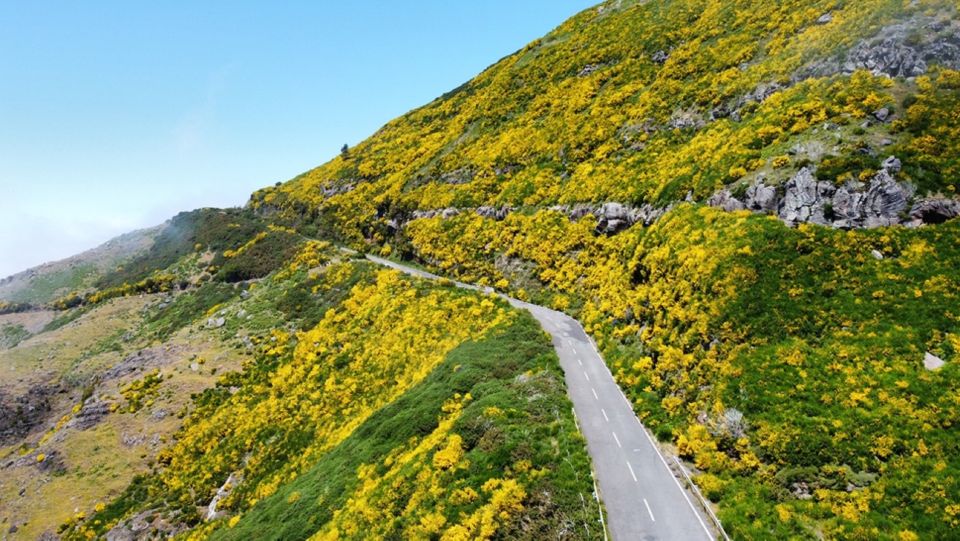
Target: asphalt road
643,498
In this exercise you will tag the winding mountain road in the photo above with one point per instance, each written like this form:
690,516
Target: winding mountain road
643,498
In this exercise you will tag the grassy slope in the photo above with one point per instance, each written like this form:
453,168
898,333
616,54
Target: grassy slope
538,427
518,466
852,438
537,128
804,331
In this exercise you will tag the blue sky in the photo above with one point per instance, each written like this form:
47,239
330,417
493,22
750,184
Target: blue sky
117,115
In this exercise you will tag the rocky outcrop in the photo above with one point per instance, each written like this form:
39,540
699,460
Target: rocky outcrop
935,210
761,198
148,524
494,213
143,360
91,413
905,49
805,199
882,201
20,415
222,492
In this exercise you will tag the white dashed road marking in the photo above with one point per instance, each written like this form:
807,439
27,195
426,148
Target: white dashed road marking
648,510
617,440
604,412
631,473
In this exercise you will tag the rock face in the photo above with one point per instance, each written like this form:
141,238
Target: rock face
881,202
20,415
91,413
935,210
905,49
884,201
805,199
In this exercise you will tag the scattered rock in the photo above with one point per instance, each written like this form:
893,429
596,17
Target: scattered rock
216,323
91,413
876,255
882,114
148,524
132,440
457,176
660,56
892,164
686,118
932,362
825,18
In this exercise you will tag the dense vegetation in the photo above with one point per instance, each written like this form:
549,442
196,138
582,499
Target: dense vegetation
402,408
785,364
646,102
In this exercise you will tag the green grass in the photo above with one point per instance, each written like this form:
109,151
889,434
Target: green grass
541,430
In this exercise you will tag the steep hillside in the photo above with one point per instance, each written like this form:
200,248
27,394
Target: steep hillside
219,386
651,103
751,206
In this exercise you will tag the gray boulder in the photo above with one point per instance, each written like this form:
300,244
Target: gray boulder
761,198
726,201
805,198
934,210
884,200
892,164
932,362
612,217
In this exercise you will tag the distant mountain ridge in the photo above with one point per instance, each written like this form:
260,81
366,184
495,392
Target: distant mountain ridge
43,283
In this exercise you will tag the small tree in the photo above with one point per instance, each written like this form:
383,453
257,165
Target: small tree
345,151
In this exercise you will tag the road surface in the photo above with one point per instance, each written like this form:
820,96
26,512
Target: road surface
643,499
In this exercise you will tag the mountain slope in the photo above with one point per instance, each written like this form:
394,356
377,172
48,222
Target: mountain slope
781,340
652,102
750,206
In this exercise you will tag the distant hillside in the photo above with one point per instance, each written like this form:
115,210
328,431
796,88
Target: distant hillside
46,282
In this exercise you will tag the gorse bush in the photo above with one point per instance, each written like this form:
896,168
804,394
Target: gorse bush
804,332
399,383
